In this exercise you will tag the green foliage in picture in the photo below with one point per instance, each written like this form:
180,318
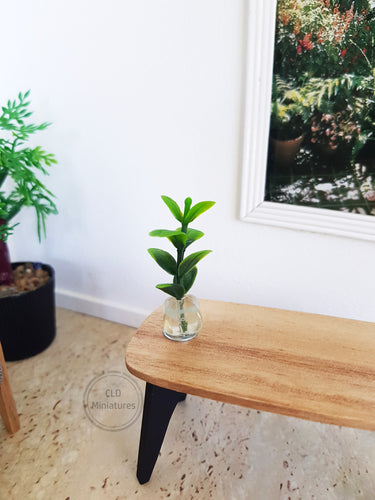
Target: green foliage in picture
19,166
323,93
324,38
290,109
183,268
324,84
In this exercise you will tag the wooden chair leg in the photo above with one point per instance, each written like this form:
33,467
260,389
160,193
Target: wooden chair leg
8,410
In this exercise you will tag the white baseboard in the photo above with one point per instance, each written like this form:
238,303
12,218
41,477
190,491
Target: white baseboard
95,307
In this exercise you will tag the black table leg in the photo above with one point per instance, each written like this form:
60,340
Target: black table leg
158,407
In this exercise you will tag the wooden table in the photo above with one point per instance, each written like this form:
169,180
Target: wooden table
310,366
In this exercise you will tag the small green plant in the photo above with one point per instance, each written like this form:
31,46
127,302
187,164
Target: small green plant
290,109
20,167
183,269
19,163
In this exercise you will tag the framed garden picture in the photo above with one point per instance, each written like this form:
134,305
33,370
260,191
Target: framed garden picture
309,143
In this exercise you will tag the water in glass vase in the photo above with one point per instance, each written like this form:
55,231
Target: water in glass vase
182,319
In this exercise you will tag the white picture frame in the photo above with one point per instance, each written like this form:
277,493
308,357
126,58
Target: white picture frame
258,86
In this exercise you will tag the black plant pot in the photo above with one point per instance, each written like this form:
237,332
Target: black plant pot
28,321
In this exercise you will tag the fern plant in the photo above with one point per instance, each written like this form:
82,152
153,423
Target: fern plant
20,165
182,268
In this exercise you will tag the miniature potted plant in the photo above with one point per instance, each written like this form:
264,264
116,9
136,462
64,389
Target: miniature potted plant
329,131
182,319
290,111
27,312
341,120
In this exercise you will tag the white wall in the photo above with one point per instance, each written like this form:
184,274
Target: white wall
146,98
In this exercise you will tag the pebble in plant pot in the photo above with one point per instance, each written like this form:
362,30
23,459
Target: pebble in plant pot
27,312
182,319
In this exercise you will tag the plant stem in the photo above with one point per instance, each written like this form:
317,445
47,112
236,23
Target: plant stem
6,273
181,253
180,258
183,322
364,55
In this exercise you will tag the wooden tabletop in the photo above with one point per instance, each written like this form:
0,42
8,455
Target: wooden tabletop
310,366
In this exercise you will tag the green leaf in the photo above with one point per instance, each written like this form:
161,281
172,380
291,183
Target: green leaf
173,207
190,261
188,202
193,235
189,278
198,209
173,289
163,233
177,238
164,259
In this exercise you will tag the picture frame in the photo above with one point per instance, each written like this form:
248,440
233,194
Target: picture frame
258,86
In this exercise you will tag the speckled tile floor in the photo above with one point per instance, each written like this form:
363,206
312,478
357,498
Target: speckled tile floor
212,450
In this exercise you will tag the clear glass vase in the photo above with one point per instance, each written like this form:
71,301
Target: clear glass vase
182,318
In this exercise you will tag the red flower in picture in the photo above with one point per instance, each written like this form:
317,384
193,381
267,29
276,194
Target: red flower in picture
306,42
